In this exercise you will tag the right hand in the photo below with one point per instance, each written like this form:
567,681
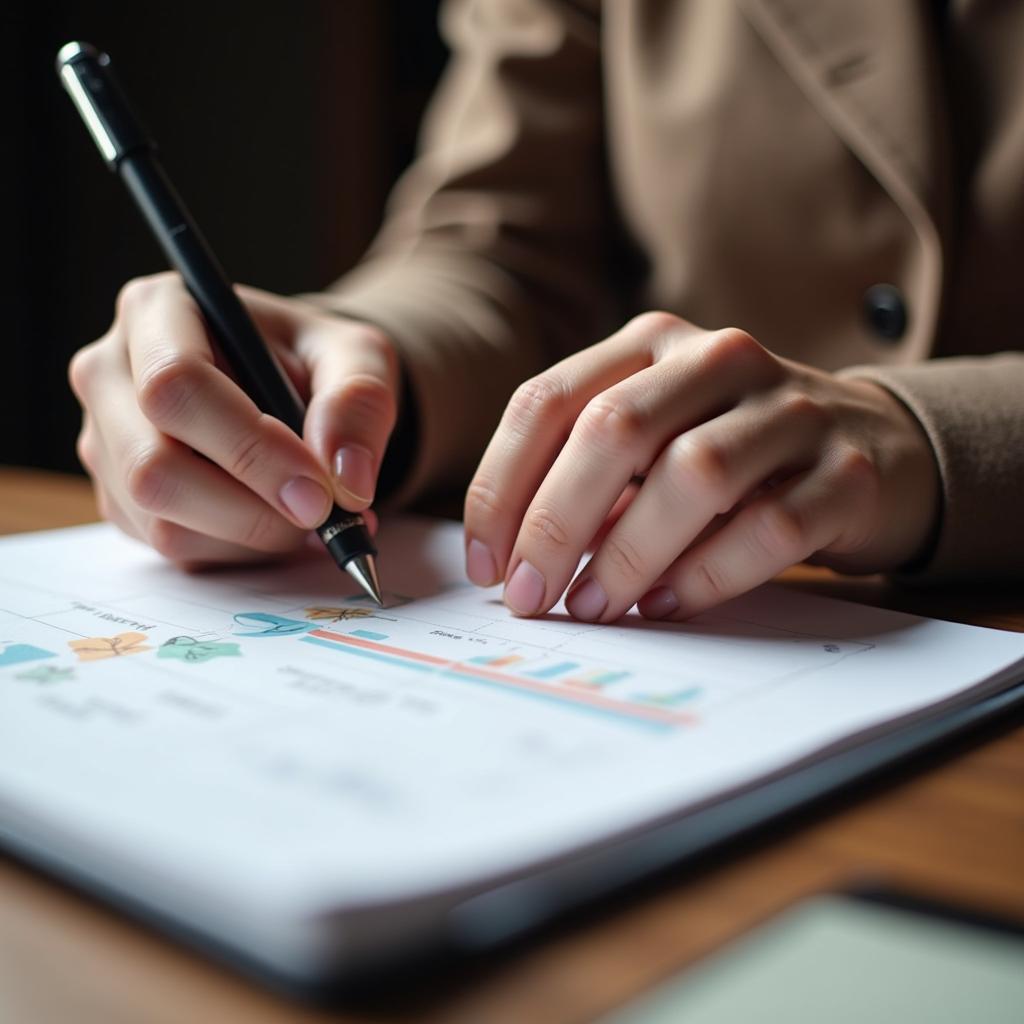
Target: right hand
183,459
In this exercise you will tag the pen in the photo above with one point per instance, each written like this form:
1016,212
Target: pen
129,151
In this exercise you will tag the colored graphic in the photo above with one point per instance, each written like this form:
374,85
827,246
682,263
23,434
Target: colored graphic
187,648
97,648
266,624
539,683
369,634
553,671
12,653
595,679
326,613
497,661
46,674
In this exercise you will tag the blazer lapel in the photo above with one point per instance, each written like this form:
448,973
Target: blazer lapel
872,68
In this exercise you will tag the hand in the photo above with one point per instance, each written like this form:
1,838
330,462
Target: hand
750,463
183,459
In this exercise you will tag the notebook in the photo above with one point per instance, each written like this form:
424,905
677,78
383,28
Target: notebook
264,763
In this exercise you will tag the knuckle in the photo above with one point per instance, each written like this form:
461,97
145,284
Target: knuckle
805,411
377,341
266,531
85,449
859,479
244,457
732,349
700,465
653,322
611,425
546,528
780,529
82,370
167,387
534,400
483,502
140,289
853,467
710,581
367,399
148,480
623,556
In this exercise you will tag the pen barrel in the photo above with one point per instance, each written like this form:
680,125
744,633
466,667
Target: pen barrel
258,371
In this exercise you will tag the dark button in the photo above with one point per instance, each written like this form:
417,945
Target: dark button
886,311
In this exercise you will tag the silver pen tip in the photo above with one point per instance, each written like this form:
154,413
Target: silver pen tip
363,569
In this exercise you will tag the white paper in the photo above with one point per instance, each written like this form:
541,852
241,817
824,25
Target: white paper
232,736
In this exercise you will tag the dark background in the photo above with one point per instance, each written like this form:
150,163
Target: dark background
283,125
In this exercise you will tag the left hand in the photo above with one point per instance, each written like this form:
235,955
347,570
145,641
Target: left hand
750,463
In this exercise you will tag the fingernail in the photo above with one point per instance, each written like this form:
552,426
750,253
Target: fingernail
306,500
353,466
480,565
525,591
587,600
658,603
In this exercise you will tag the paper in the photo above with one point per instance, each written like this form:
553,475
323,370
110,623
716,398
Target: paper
269,736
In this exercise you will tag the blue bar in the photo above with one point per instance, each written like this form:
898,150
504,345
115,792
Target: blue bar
554,670
368,634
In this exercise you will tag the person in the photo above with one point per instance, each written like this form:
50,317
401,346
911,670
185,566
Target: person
809,217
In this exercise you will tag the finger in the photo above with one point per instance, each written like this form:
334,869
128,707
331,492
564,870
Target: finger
93,456
622,502
192,550
780,528
533,428
616,437
183,394
156,477
276,319
183,546
703,473
113,513
354,381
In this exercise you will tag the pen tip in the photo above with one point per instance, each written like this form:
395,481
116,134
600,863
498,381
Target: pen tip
363,570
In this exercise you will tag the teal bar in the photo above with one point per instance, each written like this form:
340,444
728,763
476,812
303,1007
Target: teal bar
554,670
611,677
368,634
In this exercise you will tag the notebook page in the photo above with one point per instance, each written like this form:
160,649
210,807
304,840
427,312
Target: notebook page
269,736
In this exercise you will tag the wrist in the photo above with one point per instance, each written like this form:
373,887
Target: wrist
911,491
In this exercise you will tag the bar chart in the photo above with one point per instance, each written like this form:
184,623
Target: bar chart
532,672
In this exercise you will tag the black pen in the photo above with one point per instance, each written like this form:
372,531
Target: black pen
128,150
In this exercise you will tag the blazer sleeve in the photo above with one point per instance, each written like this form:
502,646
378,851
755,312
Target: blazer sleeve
972,409
490,263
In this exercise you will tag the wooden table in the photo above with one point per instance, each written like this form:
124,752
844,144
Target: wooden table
954,830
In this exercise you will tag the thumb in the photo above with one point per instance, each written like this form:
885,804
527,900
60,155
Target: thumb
354,399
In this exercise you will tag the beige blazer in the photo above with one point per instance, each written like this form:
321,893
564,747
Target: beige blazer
765,164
